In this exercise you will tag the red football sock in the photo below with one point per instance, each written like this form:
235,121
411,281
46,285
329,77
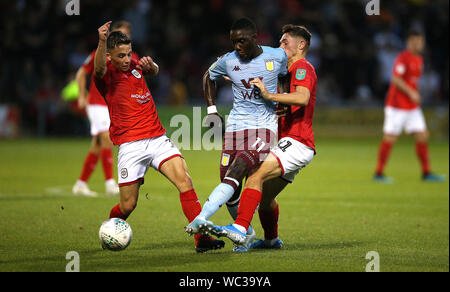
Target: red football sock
88,167
269,222
383,155
107,162
190,204
116,213
250,199
422,153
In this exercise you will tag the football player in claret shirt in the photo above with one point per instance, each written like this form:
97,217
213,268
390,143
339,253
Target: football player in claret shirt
402,109
137,130
295,149
97,112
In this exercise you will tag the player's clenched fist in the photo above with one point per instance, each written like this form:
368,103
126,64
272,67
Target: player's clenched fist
103,31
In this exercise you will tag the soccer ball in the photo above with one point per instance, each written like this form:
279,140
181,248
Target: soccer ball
115,234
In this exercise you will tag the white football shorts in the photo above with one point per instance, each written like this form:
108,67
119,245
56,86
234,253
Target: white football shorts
396,120
135,158
98,118
292,157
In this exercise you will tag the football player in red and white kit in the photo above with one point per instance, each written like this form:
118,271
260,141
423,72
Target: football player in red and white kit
97,112
294,151
137,130
402,109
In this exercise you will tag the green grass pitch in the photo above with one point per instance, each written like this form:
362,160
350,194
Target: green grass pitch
330,217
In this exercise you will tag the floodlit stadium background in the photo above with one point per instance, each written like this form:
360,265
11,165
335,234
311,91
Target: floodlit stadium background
42,47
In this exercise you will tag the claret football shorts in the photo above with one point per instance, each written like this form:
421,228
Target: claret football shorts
252,146
397,120
135,158
98,118
292,157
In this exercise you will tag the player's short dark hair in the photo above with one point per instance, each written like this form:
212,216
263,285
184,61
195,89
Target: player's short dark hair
115,39
414,33
298,31
244,24
119,24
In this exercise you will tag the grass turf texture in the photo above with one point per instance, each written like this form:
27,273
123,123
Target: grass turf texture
330,218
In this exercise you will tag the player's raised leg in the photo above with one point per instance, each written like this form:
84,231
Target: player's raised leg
220,195
176,171
250,199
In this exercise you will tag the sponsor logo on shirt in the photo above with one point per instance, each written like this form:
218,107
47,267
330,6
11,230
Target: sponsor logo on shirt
141,97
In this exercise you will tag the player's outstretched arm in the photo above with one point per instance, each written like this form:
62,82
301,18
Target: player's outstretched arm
299,97
100,54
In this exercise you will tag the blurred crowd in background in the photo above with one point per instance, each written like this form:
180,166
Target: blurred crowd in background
353,53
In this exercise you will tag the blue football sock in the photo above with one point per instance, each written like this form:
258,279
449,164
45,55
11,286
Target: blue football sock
219,196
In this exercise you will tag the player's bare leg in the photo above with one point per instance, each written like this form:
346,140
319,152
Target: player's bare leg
250,199
268,211
176,171
220,196
384,152
128,200
421,141
224,191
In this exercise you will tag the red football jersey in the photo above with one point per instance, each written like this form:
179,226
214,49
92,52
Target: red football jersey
131,108
408,67
297,124
94,97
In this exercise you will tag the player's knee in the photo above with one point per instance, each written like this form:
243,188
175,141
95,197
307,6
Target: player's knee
390,138
238,170
183,181
422,136
255,179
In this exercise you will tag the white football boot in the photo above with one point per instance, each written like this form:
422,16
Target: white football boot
81,188
111,187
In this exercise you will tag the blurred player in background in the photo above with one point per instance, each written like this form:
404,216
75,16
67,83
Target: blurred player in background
402,109
295,149
136,128
252,124
97,112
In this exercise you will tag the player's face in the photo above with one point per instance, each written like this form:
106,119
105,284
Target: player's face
417,44
121,57
291,45
244,42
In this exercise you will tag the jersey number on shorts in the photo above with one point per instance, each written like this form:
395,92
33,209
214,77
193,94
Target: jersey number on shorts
283,145
256,143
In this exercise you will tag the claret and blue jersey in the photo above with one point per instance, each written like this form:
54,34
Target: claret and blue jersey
250,110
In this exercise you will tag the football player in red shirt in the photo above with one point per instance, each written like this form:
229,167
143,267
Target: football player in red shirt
97,112
294,151
136,128
402,109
